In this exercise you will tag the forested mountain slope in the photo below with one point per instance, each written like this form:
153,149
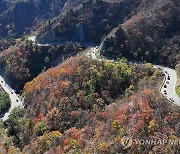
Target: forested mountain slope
146,30
152,33
138,30
19,16
77,100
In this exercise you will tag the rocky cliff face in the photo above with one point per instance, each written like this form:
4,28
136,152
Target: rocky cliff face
51,37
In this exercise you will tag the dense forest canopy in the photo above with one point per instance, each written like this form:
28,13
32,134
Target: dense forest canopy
84,74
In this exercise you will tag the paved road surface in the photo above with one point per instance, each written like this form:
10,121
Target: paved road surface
168,88
15,101
34,41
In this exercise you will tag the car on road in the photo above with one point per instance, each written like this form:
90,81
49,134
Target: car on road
165,86
168,77
171,99
165,93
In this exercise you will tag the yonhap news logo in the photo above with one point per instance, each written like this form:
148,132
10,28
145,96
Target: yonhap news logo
127,142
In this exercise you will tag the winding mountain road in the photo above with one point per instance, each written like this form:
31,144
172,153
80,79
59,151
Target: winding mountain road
167,89
15,101
33,39
168,86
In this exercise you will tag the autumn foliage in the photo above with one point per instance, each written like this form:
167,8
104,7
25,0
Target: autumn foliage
72,109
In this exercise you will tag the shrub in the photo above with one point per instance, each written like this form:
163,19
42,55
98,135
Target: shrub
40,128
178,90
5,102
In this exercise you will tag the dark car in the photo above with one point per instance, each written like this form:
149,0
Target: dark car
171,99
165,86
168,78
165,93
